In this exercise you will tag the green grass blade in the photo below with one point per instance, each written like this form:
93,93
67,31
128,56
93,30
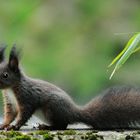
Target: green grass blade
122,52
127,53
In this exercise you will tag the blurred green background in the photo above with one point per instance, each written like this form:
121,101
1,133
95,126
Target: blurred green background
71,42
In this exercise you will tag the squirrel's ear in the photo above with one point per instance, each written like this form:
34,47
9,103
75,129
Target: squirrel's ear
14,59
2,51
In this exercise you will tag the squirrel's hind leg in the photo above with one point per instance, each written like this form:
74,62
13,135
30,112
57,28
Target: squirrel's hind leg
59,126
43,127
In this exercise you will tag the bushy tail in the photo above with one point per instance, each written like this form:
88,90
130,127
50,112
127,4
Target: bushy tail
83,116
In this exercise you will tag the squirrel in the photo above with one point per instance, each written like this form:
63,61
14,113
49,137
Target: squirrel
116,108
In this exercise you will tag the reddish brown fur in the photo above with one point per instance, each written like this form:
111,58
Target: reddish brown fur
9,114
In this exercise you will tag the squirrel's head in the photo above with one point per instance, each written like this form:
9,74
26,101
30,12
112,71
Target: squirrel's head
9,71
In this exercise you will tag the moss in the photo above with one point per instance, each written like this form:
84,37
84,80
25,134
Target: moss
122,138
41,132
4,138
31,133
35,139
86,137
128,137
23,137
59,133
47,137
137,132
11,133
93,137
94,131
59,137
82,137
69,132
15,135
91,132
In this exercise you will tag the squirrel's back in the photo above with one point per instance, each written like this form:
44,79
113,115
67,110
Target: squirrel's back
48,98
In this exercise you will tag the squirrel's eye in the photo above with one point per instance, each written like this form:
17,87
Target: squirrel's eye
5,75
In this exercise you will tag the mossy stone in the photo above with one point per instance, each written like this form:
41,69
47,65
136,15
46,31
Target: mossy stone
128,137
48,137
69,132
23,137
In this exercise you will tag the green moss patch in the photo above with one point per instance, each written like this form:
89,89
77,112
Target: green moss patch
48,137
69,132
11,133
23,137
69,135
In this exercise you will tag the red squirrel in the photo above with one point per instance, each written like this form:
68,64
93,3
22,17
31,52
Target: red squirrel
116,108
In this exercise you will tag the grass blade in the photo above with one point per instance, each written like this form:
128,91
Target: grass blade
122,52
132,44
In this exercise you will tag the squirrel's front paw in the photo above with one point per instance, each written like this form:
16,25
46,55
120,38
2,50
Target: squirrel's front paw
12,127
3,126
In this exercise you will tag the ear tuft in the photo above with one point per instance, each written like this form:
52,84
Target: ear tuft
2,51
14,59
